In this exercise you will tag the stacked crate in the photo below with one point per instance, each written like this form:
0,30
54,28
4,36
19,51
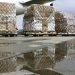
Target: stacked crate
60,22
39,18
7,17
65,23
70,23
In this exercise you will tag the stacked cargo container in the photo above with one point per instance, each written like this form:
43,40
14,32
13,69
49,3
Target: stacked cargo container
7,18
39,18
65,23
70,23
60,22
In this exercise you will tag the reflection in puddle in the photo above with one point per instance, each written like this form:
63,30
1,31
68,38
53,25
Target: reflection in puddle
8,64
6,54
60,51
43,59
58,59
5,44
39,59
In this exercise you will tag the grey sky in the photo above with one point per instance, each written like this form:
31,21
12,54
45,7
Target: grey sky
19,21
61,5
65,5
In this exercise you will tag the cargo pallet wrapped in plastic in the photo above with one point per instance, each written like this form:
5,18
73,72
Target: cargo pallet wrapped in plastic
7,19
39,18
65,23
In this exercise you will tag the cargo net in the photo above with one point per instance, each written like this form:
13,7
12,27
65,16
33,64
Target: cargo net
7,8
39,18
64,23
7,17
7,22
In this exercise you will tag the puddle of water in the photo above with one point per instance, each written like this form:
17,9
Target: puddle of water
5,44
38,62
61,61
58,59
6,54
7,65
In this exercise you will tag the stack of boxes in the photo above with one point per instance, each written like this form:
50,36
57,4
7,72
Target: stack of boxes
60,22
39,18
65,23
70,23
7,17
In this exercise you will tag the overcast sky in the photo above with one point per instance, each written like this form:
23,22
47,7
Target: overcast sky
65,5
61,5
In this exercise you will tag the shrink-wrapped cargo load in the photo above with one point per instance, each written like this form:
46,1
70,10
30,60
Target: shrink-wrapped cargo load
65,23
60,22
39,18
7,18
70,23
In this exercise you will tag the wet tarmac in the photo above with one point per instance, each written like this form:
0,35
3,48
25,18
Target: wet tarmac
49,59
59,60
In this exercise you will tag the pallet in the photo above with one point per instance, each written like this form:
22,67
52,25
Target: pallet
66,34
9,35
39,33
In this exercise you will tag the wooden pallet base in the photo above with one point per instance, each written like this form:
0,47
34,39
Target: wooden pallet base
66,34
39,34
